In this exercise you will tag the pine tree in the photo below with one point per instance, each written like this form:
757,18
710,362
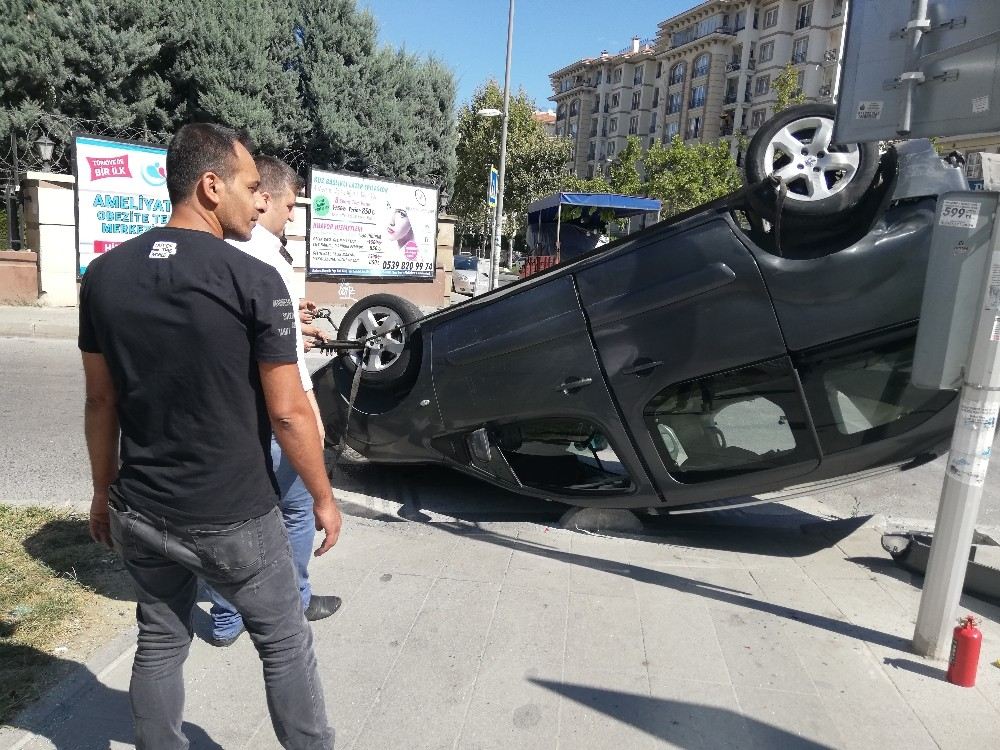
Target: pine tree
234,63
343,84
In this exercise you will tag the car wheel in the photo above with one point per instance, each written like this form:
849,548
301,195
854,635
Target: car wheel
823,179
391,353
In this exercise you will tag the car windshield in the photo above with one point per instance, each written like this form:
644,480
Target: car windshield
465,263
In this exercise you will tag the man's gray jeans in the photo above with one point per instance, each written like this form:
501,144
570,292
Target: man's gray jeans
249,563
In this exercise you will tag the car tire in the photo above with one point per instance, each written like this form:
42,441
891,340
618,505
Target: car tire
390,322
823,180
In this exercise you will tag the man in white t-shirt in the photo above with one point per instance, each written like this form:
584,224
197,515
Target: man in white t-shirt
279,185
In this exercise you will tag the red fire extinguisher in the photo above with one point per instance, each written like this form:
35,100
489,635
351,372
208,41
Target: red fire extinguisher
966,641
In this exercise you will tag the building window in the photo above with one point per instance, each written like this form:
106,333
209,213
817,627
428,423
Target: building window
761,85
633,125
697,96
615,99
838,9
572,130
598,76
597,103
694,127
590,172
659,68
799,50
674,103
611,148
700,66
670,130
803,16
757,118
677,73
800,80
636,98
741,21
770,17
613,125
656,98
593,127
652,123
574,108
766,52
561,111
591,151
637,76
618,74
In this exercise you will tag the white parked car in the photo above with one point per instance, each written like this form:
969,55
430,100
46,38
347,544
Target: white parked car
463,278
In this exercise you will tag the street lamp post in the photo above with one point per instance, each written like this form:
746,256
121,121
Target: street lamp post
498,224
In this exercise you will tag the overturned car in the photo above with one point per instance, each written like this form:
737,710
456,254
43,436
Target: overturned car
760,345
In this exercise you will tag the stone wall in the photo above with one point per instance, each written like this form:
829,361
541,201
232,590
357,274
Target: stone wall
18,277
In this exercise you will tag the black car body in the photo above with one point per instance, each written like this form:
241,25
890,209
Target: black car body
707,358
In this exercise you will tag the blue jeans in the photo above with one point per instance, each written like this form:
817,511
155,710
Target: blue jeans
300,523
248,561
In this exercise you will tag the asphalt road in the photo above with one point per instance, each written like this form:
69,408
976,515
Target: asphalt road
44,456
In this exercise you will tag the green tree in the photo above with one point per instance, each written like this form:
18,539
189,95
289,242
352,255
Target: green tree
683,176
786,89
233,63
623,176
536,162
86,59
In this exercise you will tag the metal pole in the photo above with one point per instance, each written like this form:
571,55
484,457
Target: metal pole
494,255
968,460
558,226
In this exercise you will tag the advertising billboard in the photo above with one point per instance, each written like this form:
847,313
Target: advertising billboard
370,229
121,191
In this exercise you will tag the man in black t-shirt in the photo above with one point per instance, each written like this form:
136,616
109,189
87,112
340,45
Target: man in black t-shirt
190,363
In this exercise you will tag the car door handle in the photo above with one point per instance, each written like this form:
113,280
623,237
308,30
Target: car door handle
572,384
641,367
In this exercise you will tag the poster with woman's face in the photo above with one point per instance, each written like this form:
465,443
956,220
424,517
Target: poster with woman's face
361,227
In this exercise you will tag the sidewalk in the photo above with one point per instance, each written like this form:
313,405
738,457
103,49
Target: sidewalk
39,322
791,631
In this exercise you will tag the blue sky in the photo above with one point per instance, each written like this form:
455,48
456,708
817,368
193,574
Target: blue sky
470,36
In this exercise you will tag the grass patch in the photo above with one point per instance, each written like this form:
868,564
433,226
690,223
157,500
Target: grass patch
57,588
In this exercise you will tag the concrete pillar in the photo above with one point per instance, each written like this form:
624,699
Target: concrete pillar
50,230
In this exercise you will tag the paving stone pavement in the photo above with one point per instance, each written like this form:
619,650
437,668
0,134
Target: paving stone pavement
499,634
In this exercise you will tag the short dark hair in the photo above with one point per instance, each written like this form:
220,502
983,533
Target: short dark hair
275,175
198,148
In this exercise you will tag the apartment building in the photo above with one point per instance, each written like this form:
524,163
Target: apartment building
707,75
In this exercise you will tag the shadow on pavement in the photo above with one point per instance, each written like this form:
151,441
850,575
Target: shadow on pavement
691,586
81,713
65,546
920,668
766,529
682,724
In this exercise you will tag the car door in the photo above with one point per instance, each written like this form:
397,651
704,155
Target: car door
524,402
688,339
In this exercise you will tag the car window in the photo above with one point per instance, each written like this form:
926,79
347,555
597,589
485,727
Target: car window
565,454
860,391
731,423
465,263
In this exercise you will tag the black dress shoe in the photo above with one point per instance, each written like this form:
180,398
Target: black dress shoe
322,606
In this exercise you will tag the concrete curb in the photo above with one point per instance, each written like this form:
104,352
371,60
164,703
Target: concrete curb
56,702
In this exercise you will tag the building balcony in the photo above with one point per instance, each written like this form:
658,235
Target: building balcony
726,30
831,55
673,110
732,66
729,99
798,57
696,103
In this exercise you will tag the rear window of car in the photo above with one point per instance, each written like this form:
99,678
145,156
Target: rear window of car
465,263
